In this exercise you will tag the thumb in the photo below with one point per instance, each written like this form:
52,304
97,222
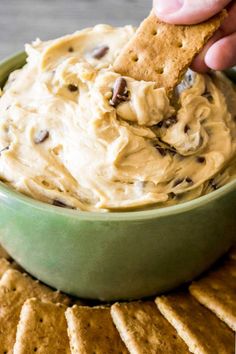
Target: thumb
187,11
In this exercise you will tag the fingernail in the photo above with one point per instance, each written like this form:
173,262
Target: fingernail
164,7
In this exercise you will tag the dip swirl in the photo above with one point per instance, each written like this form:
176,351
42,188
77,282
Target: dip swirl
73,133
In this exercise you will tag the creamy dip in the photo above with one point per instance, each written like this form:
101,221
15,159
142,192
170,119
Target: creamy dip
66,140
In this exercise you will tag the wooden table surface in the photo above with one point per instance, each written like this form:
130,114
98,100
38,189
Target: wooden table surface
22,21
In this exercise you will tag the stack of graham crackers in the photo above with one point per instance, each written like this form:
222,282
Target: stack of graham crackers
37,319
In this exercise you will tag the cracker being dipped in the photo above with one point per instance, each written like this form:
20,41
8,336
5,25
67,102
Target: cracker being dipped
163,52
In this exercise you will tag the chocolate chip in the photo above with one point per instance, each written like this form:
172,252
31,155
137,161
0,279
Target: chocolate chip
172,151
161,151
100,52
120,92
189,180
181,180
70,49
60,204
186,128
200,159
72,88
164,150
189,79
41,136
167,123
172,195
160,124
213,184
178,181
4,149
208,96
186,83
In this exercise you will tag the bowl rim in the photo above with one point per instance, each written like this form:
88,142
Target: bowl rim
8,193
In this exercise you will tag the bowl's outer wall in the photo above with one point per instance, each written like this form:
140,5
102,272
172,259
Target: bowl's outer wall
13,63
116,259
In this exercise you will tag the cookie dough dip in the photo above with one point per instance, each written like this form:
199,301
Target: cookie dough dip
75,134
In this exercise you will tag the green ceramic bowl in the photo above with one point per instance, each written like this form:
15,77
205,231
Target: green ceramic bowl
117,255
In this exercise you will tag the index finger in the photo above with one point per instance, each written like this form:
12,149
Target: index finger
227,28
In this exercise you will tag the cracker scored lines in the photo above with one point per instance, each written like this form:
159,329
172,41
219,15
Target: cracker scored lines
163,52
15,289
217,291
144,330
42,328
201,330
91,330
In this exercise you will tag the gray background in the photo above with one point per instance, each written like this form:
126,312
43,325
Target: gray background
22,21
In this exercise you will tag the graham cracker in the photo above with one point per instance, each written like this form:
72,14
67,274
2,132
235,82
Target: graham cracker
144,330
91,330
201,330
5,265
42,328
15,289
163,52
217,291
3,253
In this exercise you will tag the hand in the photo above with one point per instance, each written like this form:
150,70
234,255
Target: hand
220,51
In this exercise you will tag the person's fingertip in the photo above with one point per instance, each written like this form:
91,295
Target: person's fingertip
186,12
222,54
199,65
168,6
210,59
